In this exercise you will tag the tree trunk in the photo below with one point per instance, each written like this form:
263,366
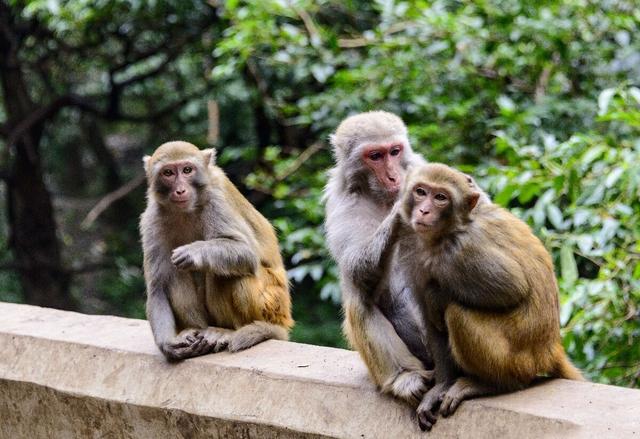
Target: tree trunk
30,212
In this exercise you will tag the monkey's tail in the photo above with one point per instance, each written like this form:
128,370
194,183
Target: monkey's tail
254,333
563,368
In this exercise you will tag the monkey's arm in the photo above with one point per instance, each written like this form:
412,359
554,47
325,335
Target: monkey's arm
486,278
364,249
159,313
228,255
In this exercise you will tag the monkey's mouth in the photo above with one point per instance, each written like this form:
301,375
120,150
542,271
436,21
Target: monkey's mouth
393,187
180,203
421,226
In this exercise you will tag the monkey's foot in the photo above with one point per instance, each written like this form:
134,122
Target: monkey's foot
411,385
428,409
463,388
189,343
217,339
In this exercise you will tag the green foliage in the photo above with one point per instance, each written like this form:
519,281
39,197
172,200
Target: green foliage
582,198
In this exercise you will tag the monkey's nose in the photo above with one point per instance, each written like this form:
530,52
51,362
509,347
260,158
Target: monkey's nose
180,191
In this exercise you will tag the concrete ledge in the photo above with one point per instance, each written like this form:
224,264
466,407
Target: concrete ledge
65,374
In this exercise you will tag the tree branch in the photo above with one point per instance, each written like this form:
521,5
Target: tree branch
312,30
143,76
303,157
83,104
109,199
354,43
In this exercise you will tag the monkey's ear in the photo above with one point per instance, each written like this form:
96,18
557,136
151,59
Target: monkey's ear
209,156
146,161
472,200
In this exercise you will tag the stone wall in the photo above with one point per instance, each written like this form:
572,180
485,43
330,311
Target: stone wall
70,375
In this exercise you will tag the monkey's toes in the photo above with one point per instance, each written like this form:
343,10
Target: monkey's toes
426,419
449,404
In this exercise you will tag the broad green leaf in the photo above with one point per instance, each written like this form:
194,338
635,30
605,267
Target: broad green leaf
568,266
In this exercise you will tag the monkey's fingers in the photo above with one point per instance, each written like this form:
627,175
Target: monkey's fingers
179,344
182,261
200,347
192,350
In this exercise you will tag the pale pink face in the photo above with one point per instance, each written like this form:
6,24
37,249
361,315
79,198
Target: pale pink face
176,180
385,161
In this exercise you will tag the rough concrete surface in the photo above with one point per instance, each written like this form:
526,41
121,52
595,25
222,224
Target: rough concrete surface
70,375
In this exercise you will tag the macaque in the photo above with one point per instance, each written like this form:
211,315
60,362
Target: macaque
382,322
214,275
487,289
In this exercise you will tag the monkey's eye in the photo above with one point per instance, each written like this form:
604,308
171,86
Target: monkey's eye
167,172
441,197
187,170
375,155
421,192
395,151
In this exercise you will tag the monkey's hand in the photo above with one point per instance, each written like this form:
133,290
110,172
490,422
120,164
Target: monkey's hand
186,257
428,409
411,385
189,343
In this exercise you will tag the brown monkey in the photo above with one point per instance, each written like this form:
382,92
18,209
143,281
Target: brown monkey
210,259
372,153
487,288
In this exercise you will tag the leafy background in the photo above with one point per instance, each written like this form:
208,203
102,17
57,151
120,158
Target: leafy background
539,100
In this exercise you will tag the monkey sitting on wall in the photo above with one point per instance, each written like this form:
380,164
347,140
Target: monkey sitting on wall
373,153
487,288
211,260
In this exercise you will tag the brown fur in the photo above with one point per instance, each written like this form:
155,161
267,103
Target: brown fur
482,274
236,279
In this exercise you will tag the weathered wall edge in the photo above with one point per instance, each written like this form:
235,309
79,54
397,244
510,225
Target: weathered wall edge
65,374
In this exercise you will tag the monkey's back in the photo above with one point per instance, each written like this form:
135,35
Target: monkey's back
536,318
232,301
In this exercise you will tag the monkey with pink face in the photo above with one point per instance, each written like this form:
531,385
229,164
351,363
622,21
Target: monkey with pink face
382,321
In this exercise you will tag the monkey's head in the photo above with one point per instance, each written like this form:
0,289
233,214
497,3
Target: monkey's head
371,149
436,199
177,174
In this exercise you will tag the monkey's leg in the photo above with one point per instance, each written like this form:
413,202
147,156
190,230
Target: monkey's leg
254,333
481,345
392,366
463,388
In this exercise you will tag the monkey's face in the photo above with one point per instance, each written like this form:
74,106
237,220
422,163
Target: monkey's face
177,183
385,161
431,207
